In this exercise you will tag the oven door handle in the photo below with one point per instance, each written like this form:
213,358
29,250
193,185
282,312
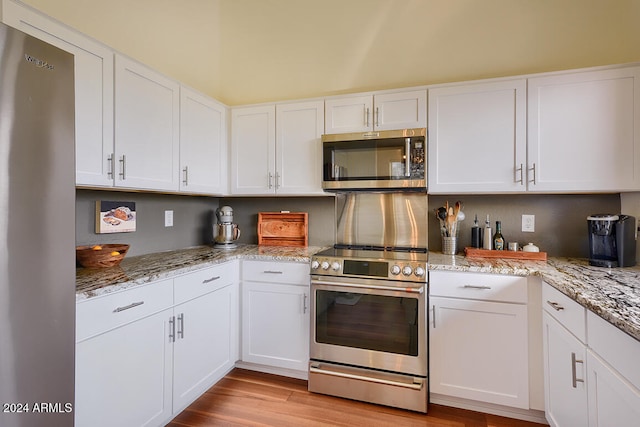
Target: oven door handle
412,386
419,290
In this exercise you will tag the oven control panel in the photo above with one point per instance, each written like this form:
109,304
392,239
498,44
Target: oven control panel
398,270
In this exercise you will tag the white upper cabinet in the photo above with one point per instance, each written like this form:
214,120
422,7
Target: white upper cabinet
584,131
253,136
276,149
299,127
477,137
203,144
93,90
362,113
147,114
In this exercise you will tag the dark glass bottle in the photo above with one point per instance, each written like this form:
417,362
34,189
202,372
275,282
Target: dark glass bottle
498,240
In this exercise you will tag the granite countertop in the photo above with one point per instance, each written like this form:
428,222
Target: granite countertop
611,293
138,270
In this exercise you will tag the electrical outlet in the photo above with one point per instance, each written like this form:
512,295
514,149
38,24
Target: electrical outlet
528,223
168,218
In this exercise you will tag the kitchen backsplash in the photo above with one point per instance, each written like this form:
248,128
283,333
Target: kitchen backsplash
560,219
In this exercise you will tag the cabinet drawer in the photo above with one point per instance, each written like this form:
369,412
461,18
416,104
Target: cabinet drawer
101,314
203,281
479,286
569,313
296,273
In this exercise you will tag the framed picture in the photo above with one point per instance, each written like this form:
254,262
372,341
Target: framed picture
115,217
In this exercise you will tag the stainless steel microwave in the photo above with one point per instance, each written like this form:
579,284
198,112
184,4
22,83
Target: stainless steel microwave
384,160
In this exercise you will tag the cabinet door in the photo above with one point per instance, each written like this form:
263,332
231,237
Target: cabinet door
146,127
613,401
351,114
93,90
131,383
299,127
206,341
275,325
253,136
564,376
402,110
478,350
477,138
584,131
203,144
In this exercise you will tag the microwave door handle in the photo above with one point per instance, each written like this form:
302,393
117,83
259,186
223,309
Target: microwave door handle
407,157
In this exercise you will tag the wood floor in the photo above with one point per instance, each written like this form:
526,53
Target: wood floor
247,398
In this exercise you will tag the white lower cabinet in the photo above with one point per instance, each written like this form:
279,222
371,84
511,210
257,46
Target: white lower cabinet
591,375
275,314
144,354
478,342
206,337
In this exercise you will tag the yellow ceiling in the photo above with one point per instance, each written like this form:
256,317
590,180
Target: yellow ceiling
249,51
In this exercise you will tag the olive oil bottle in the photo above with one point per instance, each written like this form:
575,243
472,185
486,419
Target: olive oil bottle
498,240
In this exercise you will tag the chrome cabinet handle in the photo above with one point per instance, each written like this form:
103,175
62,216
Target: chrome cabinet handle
185,180
521,169
181,325
123,167
433,317
272,272
277,179
476,287
555,305
574,379
407,157
111,166
377,117
213,279
533,168
270,180
127,307
366,117
172,329
304,303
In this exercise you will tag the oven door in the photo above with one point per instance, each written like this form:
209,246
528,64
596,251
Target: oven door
376,324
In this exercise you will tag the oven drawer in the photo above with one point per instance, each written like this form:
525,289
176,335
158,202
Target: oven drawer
479,286
295,273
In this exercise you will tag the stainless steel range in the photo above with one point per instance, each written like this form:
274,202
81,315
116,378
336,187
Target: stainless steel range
368,333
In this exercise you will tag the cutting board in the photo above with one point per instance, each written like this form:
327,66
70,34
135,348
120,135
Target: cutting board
283,228
485,253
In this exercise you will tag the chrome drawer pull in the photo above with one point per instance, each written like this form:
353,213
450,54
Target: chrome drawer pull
127,307
555,305
181,325
413,386
272,272
213,279
476,287
172,329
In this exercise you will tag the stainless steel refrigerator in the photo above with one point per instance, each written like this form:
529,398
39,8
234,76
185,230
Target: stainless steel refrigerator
37,232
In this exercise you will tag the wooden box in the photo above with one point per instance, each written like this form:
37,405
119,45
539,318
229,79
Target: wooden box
485,253
283,228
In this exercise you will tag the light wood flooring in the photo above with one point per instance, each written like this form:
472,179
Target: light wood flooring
247,398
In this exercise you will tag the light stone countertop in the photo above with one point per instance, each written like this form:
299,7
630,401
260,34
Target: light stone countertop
611,293
138,270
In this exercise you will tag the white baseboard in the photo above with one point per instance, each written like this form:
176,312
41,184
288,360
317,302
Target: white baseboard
291,373
489,408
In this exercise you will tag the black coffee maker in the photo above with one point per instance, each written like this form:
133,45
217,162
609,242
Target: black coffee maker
612,240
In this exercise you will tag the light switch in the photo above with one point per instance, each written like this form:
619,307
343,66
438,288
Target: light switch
168,218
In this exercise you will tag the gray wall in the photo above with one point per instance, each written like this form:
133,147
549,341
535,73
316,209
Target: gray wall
560,220
561,226
321,210
192,219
